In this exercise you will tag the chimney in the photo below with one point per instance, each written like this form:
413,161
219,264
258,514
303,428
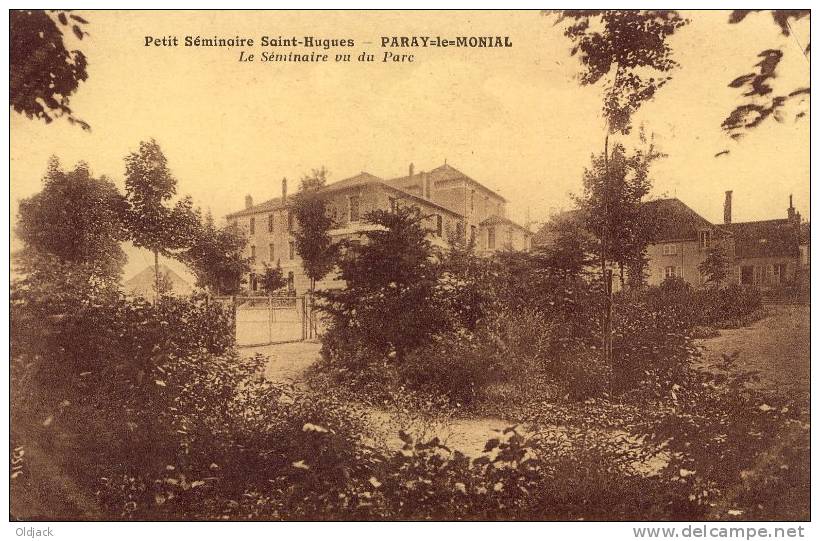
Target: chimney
727,208
284,189
248,201
790,211
411,170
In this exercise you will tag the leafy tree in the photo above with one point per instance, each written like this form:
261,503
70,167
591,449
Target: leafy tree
627,49
311,238
570,248
215,256
149,187
391,300
760,101
612,203
76,218
272,279
715,266
43,74
627,52
464,277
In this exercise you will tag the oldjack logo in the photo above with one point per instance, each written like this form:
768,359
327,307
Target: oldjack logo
34,532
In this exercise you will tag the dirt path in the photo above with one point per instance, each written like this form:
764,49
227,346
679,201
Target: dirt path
289,361
777,345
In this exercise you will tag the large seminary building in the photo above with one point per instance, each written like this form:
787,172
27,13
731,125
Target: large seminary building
452,203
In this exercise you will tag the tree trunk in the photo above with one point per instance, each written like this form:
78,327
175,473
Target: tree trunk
606,276
156,276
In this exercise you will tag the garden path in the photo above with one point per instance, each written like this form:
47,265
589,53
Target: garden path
289,361
777,346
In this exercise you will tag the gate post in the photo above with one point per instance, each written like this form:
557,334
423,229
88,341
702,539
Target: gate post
270,319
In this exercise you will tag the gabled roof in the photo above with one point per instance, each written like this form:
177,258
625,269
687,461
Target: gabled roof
361,179
444,172
440,174
675,220
765,238
143,282
501,220
267,206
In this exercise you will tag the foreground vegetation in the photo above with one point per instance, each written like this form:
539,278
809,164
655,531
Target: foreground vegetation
147,411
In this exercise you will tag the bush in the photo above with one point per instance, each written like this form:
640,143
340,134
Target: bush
709,306
456,365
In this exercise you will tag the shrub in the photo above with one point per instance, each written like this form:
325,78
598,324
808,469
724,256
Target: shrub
456,365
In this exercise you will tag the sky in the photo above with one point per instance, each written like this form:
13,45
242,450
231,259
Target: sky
515,119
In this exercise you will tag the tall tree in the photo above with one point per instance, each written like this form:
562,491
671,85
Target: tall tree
215,256
153,224
629,52
391,299
312,238
76,218
612,204
43,74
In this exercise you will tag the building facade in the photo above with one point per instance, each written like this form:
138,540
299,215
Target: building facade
767,254
452,204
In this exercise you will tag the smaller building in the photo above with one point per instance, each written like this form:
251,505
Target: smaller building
683,239
767,253
143,284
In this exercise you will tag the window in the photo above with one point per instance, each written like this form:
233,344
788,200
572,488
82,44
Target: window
669,272
472,234
758,274
253,225
779,271
472,200
705,238
270,251
254,284
291,221
253,252
270,223
439,226
747,273
354,208
491,238
290,282
291,250
670,249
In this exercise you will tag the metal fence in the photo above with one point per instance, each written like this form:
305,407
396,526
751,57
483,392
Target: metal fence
272,320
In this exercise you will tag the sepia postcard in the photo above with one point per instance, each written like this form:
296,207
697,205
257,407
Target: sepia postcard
411,265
